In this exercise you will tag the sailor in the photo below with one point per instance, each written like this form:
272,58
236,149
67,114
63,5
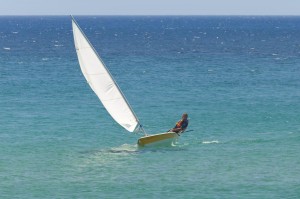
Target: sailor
181,125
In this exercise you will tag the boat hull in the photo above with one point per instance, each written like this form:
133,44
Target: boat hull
162,138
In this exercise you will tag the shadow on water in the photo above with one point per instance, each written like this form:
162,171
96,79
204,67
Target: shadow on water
116,157
134,149
130,152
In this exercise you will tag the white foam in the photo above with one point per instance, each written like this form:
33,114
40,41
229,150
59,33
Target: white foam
210,142
5,48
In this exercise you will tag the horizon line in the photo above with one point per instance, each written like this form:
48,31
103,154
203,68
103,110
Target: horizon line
121,15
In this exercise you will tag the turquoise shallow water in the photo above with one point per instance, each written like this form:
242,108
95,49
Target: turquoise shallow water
237,77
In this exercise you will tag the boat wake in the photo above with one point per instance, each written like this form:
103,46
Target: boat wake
136,149
133,149
125,148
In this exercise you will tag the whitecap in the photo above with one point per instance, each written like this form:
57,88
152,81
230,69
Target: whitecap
5,48
58,45
45,59
15,32
210,142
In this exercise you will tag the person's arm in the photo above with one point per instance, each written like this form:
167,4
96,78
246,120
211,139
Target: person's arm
177,129
184,126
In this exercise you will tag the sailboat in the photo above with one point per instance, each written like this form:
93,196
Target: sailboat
109,93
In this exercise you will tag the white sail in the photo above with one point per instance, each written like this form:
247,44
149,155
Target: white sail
102,83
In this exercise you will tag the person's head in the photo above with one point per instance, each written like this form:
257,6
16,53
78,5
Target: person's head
184,116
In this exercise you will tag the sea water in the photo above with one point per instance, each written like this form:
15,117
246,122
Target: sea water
238,78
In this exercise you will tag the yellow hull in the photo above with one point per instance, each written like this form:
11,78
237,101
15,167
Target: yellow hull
157,138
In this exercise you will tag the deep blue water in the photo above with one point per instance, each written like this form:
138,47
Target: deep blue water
237,77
